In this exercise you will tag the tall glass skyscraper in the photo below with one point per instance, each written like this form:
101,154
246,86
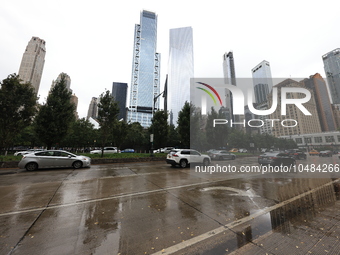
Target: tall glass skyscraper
32,63
229,78
331,62
145,71
262,80
181,69
119,92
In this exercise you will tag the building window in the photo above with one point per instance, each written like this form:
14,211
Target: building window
318,139
308,139
329,139
338,138
298,140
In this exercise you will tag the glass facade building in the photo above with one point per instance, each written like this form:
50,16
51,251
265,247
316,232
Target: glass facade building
229,78
331,62
180,70
145,70
323,104
262,80
119,92
32,63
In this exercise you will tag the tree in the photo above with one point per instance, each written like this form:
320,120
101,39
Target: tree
107,116
82,134
136,136
56,115
216,136
174,139
188,125
160,129
17,107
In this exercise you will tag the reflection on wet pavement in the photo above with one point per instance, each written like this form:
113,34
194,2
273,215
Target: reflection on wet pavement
153,208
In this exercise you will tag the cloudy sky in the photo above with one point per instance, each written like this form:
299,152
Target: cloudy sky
92,41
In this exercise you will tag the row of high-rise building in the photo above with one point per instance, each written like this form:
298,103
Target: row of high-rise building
145,88
325,115
32,65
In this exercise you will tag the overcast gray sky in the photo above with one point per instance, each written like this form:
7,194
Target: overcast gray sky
92,41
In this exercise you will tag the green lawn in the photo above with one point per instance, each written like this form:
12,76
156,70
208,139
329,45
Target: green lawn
113,155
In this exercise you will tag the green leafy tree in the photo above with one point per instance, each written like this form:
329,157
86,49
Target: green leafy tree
174,139
82,134
107,116
120,133
188,124
17,107
136,137
56,115
216,136
160,129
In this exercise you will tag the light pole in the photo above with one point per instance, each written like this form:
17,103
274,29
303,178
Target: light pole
153,126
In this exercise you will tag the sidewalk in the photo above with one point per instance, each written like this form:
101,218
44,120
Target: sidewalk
317,233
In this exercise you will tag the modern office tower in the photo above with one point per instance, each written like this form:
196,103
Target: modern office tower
67,81
262,80
93,109
145,71
74,100
119,92
323,105
180,70
336,113
331,62
263,84
306,124
32,63
229,78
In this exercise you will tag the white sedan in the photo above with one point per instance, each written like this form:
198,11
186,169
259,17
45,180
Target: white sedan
53,159
106,150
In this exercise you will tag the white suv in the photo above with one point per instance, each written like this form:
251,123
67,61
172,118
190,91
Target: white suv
184,157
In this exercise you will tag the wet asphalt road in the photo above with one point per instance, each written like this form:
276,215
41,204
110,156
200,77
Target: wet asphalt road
147,208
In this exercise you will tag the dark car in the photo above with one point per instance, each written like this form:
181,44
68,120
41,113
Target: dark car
297,154
276,159
128,151
326,154
221,155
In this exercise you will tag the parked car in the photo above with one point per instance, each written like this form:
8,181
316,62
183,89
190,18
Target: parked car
221,155
276,159
233,150
185,157
128,151
107,150
297,154
314,153
326,153
53,159
20,153
243,150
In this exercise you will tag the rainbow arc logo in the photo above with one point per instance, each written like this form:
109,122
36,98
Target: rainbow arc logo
212,93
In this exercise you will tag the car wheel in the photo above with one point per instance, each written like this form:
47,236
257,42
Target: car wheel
77,164
220,158
31,166
183,163
206,162
233,157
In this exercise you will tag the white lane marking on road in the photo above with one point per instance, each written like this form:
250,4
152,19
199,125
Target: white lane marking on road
107,198
219,230
237,192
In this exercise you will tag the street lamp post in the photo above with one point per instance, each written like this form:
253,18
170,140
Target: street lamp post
153,126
